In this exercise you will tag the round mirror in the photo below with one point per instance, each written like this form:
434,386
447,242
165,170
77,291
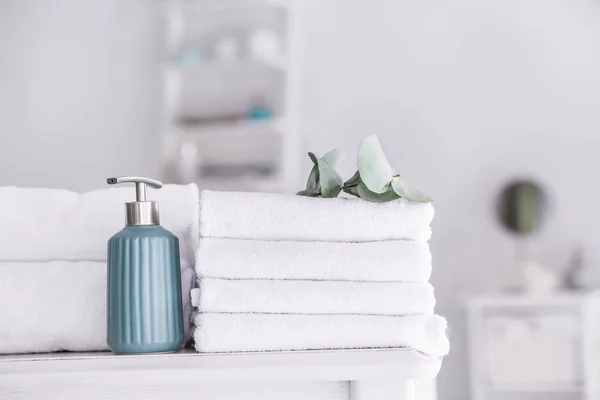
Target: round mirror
521,207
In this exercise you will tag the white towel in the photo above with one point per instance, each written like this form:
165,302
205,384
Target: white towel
52,306
52,224
313,297
386,261
261,332
188,277
59,305
264,216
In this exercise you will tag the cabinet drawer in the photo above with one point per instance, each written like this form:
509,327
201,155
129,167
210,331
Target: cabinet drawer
532,348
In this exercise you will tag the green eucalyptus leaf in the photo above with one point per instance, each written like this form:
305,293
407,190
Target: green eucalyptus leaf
405,190
323,178
312,184
375,170
364,193
302,193
355,180
329,179
334,158
353,190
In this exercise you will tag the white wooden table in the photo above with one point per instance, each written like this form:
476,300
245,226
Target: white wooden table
356,374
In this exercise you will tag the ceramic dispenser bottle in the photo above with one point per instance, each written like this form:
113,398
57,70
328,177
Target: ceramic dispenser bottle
144,310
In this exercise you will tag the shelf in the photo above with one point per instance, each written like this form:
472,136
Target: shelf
245,143
216,90
275,63
233,126
318,366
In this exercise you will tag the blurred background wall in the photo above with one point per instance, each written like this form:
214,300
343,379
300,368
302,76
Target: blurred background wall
79,91
463,95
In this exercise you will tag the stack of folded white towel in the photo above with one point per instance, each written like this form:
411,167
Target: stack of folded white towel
53,248
279,272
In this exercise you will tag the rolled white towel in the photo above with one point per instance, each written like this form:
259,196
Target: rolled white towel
313,297
266,216
52,306
60,305
53,224
225,333
386,261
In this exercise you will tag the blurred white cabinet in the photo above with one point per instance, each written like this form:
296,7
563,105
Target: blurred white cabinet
534,347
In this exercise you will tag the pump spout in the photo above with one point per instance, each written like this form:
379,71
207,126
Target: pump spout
141,211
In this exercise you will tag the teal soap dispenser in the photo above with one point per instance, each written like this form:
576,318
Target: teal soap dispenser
144,311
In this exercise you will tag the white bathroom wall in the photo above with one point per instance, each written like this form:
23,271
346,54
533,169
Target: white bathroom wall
79,91
464,96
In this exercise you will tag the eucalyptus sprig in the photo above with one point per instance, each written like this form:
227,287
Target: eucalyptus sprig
374,181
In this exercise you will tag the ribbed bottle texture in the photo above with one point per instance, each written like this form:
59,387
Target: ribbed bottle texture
144,291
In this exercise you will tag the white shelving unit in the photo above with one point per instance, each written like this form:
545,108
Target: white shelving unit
225,58
399,374
535,347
